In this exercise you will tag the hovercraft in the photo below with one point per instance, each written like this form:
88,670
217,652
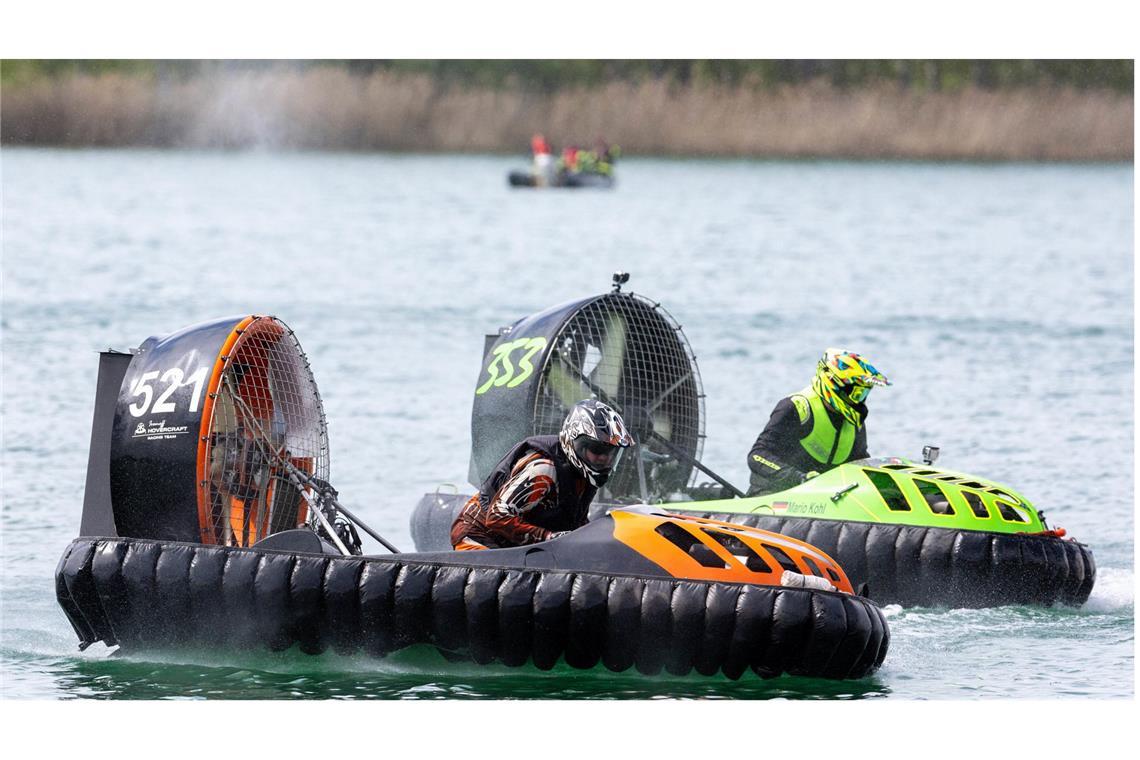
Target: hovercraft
208,521
561,179
921,535
915,534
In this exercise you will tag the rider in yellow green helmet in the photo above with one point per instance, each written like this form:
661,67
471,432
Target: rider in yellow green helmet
817,428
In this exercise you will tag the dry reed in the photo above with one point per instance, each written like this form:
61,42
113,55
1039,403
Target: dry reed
331,108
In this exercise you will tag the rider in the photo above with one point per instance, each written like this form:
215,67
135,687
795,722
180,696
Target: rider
569,160
606,156
587,162
818,427
544,168
543,487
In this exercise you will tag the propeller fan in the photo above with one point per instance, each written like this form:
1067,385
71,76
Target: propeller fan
266,413
619,348
212,425
218,436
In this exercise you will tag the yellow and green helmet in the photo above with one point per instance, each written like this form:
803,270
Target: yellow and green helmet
843,380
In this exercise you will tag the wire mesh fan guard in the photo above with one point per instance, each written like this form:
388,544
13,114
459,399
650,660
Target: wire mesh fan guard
627,350
266,409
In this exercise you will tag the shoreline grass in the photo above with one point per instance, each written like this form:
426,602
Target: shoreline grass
331,108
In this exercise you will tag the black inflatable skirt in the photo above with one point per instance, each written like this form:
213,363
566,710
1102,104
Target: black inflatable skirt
910,566
143,594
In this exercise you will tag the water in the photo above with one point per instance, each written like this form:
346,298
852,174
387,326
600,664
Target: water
998,299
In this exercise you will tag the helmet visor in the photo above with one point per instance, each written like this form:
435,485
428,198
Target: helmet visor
596,455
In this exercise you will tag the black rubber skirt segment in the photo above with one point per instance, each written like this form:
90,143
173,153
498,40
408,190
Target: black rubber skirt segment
151,594
910,566
941,567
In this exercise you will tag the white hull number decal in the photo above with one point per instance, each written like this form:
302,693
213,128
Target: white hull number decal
173,380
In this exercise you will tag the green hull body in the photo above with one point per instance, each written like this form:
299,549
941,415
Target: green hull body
894,491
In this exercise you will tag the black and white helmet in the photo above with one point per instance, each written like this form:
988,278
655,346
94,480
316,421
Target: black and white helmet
593,437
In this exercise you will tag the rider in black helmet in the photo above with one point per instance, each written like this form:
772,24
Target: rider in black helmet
544,485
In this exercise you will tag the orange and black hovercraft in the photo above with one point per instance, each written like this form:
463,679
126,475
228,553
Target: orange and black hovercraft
208,521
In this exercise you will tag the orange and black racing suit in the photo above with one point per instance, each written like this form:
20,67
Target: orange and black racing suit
533,493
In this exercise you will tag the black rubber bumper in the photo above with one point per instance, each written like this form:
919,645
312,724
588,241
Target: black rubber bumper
941,567
911,566
151,594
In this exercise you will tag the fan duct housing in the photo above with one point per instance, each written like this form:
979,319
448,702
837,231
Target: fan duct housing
620,348
203,418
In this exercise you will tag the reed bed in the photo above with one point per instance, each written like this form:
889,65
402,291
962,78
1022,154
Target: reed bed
330,108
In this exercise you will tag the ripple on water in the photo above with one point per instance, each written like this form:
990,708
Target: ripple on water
394,319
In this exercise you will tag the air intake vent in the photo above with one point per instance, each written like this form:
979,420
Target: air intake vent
936,498
889,490
783,558
691,545
740,550
977,506
1008,513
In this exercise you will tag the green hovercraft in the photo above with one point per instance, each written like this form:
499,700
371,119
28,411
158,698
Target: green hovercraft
922,535
906,533
898,491
915,534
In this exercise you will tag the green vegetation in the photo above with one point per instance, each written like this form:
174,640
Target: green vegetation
945,75
871,109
